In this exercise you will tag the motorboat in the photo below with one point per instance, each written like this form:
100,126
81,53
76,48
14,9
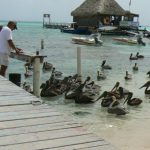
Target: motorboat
136,39
126,40
93,39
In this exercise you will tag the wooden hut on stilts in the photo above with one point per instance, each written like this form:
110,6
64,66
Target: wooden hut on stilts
97,13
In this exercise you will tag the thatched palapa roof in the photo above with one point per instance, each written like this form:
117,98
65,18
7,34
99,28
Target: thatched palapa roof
98,7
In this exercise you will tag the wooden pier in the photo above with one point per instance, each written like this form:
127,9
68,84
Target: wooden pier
28,124
48,24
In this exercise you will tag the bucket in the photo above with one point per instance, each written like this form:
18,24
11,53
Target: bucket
15,78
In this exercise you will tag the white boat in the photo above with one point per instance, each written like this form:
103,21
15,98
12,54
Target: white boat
107,28
93,39
126,40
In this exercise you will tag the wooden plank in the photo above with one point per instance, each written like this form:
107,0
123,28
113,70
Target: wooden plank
51,143
24,116
32,121
25,112
26,56
95,145
39,128
99,147
23,108
41,136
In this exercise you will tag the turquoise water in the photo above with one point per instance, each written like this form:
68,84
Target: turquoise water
121,131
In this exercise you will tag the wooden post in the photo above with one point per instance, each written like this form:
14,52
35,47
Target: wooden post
42,44
79,63
36,76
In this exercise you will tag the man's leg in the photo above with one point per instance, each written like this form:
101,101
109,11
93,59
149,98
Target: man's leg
3,70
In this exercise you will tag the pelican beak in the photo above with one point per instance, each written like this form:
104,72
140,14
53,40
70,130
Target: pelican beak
147,84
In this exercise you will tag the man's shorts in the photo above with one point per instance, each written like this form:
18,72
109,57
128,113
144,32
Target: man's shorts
4,59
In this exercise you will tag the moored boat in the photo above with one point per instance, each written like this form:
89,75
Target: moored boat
90,40
126,40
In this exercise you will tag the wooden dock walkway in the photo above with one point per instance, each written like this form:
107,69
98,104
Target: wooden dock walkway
26,124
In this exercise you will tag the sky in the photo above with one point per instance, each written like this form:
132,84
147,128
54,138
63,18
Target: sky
60,10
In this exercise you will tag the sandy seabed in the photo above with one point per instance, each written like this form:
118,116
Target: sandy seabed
135,136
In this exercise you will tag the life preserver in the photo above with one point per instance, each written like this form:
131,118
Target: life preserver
106,20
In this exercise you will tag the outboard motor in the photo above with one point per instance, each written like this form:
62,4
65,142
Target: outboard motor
140,41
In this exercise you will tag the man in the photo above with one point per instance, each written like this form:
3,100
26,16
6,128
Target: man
6,44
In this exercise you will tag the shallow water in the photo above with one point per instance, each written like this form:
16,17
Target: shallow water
130,132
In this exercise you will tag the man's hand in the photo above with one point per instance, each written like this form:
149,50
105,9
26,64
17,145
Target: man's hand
18,50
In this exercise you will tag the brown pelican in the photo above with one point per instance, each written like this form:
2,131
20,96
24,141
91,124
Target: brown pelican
132,101
56,73
49,90
139,56
76,90
47,66
148,73
117,109
135,67
147,85
27,87
128,76
29,65
28,72
103,66
132,58
101,76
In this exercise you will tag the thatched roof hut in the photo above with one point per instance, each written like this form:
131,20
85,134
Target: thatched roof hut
91,12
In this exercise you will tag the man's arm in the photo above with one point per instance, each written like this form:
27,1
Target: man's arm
12,45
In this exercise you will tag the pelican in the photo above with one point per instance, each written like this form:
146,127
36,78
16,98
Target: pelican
133,58
132,101
103,66
28,72
135,67
47,66
101,76
27,87
147,85
128,76
117,109
139,56
148,73
57,73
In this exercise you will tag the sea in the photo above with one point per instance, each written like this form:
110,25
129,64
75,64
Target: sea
128,132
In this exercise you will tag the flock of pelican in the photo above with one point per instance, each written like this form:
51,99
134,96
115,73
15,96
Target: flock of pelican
71,87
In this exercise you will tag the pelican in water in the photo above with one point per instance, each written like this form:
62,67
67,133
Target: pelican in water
135,67
139,56
28,72
148,73
47,66
146,85
101,76
56,73
133,58
103,66
128,76
117,109
132,101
